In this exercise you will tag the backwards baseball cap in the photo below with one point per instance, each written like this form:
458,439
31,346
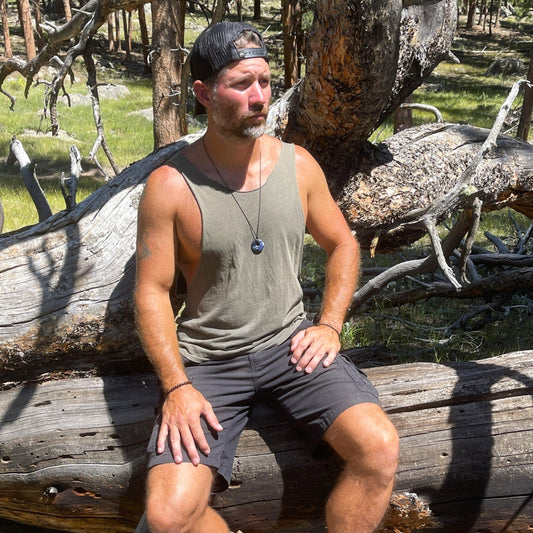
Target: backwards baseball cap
215,48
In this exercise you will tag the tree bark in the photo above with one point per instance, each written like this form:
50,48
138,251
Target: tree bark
527,106
5,29
25,22
66,8
291,14
354,83
73,453
167,62
144,37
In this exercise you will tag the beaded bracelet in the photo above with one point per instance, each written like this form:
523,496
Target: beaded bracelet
330,326
172,389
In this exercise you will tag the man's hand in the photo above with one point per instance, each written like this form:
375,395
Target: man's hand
312,345
180,421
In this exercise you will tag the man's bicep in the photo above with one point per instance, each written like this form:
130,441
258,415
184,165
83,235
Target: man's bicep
155,249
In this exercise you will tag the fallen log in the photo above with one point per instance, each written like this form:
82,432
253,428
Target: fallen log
73,453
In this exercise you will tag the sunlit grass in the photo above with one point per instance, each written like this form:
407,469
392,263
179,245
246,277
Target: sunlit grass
19,209
128,134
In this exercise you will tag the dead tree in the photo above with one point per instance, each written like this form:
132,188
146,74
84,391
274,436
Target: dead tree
73,453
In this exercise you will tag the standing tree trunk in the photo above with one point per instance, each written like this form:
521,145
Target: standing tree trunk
25,22
127,21
118,40
257,9
68,12
38,21
111,32
527,106
291,14
5,29
471,14
168,26
144,37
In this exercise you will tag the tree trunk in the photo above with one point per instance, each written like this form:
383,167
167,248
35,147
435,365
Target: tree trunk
471,14
167,63
111,32
73,453
68,12
365,77
127,21
144,37
25,22
5,29
118,40
257,9
292,29
527,105
39,39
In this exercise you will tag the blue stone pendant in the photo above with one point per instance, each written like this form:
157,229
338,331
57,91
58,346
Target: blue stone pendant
257,246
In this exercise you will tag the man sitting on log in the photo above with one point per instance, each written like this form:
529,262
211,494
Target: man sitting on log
230,211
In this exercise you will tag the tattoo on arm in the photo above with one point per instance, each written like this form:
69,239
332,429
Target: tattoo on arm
143,251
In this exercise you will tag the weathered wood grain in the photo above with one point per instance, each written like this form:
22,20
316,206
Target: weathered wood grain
73,451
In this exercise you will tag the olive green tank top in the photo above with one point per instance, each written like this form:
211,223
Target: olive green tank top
239,302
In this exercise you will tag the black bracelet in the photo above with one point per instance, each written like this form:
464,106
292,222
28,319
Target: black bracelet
330,326
172,389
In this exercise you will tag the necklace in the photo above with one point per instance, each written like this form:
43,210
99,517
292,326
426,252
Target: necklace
257,243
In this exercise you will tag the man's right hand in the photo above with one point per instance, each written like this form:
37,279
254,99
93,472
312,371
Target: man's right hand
180,422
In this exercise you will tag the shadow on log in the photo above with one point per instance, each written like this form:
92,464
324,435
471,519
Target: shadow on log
73,453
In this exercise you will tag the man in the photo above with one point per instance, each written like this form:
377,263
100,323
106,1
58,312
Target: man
229,212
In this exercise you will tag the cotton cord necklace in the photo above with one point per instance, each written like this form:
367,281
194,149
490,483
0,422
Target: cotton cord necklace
257,243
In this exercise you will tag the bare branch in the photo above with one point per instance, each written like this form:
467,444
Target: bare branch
27,170
467,249
69,185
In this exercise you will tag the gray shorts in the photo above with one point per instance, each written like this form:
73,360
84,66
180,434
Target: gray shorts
232,386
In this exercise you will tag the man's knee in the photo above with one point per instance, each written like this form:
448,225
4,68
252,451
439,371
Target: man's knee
367,441
174,506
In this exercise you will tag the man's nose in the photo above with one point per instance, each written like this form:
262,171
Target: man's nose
258,93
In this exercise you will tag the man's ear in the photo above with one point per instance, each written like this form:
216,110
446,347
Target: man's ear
202,92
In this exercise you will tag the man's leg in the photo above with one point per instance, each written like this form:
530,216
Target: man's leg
177,500
368,443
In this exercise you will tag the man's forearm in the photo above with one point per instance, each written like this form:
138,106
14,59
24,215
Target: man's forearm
342,275
157,331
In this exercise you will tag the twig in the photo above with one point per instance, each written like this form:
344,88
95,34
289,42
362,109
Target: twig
424,107
95,100
431,228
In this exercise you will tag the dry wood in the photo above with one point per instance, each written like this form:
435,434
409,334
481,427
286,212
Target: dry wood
27,170
73,452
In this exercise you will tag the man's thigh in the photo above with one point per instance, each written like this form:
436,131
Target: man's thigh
315,400
228,386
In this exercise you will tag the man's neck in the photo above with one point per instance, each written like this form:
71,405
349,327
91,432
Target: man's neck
237,161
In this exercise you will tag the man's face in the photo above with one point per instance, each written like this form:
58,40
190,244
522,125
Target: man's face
241,96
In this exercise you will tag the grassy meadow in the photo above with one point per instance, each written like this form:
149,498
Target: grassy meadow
462,93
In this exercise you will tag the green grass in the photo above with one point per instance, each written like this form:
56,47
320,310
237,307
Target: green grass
129,135
18,207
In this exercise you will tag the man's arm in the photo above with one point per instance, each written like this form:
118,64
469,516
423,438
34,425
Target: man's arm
156,268
328,227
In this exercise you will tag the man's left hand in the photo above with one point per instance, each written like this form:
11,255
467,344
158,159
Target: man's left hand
313,345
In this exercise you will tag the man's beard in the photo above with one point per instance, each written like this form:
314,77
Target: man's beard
238,129
253,132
